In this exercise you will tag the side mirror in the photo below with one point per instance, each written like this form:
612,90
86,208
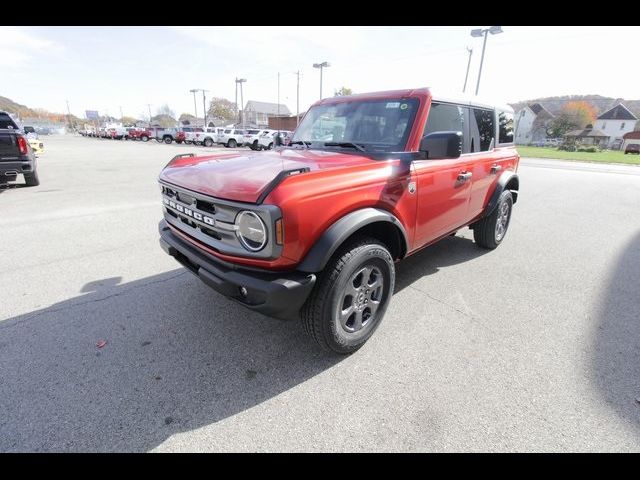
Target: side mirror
278,140
440,145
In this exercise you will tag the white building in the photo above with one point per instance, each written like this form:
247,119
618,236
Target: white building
531,124
615,123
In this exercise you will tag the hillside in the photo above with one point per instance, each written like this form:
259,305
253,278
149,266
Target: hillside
10,106
602,104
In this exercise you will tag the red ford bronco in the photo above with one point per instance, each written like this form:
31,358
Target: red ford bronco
312,230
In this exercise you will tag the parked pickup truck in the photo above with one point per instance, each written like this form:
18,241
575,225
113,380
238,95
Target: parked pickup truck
313,230
169,135
231,137
142,134
209,137
16,155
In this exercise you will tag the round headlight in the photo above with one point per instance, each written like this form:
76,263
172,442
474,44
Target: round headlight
251,231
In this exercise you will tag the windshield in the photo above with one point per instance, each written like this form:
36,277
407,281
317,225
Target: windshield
374,125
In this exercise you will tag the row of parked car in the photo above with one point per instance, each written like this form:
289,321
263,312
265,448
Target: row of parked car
254,138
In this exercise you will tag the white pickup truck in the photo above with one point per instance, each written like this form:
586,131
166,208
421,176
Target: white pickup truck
207,137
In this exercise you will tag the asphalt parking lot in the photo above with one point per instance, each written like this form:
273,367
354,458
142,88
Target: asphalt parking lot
532,347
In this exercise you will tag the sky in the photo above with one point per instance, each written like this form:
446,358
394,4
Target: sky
108,68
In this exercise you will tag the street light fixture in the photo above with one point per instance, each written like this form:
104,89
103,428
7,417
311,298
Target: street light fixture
484,32
321,66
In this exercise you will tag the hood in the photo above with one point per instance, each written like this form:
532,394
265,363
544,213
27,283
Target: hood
243,176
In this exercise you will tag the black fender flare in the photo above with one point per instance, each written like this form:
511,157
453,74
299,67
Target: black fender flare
336,234
509,177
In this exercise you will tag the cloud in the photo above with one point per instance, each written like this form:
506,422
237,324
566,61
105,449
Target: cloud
20,46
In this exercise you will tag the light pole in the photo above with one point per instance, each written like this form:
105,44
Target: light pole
321,66
204,108
195,108
479,32
470,50
240,81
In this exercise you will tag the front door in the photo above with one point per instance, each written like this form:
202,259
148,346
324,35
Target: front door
443,186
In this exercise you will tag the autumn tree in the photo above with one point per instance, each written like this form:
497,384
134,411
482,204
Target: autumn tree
222,108
342,92
574,115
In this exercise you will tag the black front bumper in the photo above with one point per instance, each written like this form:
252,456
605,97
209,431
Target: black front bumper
279,295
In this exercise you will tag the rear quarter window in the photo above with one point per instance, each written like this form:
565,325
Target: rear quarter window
505,127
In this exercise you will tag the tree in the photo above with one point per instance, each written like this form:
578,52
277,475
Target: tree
128,120
342,92
222,108
165,110
574,115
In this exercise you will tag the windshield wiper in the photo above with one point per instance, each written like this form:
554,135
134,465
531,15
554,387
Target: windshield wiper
301,142
345,144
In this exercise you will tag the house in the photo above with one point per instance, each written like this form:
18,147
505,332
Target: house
616,122
630,138
258,113
531,124
588,136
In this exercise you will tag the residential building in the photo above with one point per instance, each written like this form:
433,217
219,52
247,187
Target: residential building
589,136
531,124
616,122
258,113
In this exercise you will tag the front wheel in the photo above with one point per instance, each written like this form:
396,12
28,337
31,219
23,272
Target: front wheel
168,140
232,143
491,230
351,296
207,142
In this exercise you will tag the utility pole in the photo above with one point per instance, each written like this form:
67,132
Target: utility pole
298,98
278,108
237,111
149,105
195,108
69,114
470,50
240,81
121,116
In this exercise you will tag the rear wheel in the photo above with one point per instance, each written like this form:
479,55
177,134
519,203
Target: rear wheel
270,146
351,296
31,179
491,230
144,138
232,143
167,140
207,142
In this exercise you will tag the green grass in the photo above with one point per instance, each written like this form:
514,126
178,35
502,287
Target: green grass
606,156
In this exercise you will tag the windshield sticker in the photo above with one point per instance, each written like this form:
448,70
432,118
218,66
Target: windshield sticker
403,106
393,104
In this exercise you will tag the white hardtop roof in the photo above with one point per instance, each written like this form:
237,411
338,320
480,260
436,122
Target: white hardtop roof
472,100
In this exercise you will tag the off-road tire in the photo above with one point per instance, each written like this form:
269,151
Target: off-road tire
485,231
320,313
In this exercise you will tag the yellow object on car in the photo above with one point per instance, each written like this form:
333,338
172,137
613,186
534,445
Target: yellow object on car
37,145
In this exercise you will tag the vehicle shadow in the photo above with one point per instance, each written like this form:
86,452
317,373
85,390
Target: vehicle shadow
449,251
616,343
5,187
177,357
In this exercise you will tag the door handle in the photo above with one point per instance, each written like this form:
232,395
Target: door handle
464,176
495,168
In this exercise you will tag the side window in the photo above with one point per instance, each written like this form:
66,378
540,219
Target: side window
505,125
482,130
448,118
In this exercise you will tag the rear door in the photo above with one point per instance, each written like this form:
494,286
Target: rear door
492,152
